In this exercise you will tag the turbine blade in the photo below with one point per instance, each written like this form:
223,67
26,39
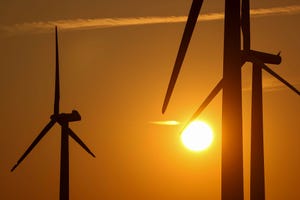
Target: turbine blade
205,103
35,142
245,23
208,99
79,141
57,86
266,68
188,31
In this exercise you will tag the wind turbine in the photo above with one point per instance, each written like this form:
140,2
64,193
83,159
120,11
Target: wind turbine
257,175
258,59
63,120
232,144
257,182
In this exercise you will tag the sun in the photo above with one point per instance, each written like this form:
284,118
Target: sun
197,136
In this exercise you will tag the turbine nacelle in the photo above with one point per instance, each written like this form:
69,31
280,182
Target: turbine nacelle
63,118
246,56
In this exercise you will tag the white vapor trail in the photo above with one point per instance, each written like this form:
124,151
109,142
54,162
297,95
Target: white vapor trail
80,24
166,123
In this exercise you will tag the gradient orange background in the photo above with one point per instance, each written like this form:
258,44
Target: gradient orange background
117,78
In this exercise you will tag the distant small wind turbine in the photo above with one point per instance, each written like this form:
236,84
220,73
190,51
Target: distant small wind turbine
63,120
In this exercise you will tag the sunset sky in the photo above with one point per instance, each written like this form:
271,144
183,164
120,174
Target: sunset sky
116,58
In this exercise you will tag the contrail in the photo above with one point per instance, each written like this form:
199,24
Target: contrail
167,123
80,24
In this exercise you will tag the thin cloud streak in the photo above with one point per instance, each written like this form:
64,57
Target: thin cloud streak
81,24
165,123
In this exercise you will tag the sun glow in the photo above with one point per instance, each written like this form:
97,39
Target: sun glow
197,136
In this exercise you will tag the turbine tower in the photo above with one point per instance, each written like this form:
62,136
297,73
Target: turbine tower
63,120
258,59
232,178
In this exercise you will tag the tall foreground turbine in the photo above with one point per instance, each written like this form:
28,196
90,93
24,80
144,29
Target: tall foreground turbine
233,76
63,120
232,144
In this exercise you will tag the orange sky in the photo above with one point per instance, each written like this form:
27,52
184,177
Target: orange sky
116,77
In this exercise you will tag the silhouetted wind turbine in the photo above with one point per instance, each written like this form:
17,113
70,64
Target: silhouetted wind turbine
258,59
63,120
257,175
232,144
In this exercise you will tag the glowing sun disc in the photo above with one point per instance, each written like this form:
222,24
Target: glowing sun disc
197,136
